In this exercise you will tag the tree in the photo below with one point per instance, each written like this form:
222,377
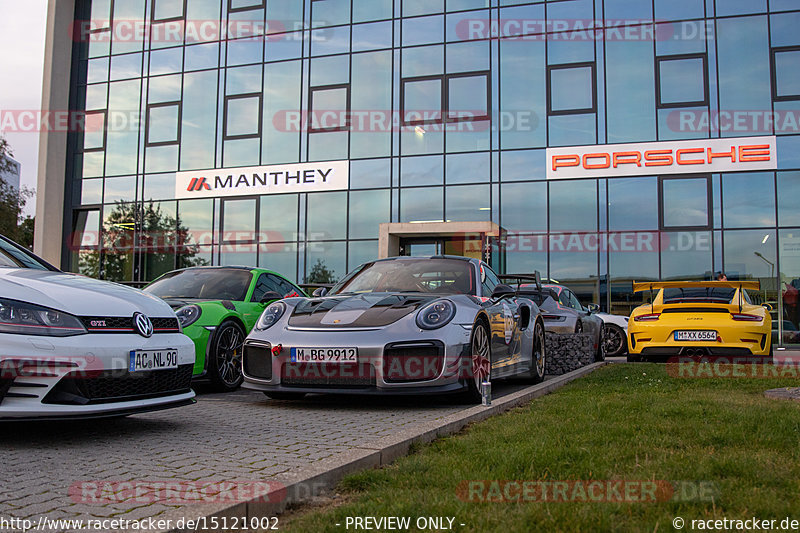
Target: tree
143,229
320,273
13,224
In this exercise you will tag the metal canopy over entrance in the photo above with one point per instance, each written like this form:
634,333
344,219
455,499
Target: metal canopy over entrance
468,239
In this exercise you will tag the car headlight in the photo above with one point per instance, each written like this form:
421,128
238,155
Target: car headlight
436,314
188,314
22,318
271,315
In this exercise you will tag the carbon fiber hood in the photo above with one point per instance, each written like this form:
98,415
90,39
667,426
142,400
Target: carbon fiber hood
363,310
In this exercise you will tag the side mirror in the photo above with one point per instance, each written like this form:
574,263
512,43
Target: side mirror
270,296
502,291
593,308
319,293
768,307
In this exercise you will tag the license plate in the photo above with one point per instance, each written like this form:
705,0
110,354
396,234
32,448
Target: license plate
324,355
695,336
143,360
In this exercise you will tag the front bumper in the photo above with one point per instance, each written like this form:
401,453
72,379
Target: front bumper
87,376
402,363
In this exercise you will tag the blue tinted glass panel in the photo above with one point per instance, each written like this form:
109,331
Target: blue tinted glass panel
427,170
787,73
368,209
685,202
788,198
327,41
632,204
522,165
740,7
423,61
748,200
523,207
678,9
202,56
783,28
468,168
628,10
284,46
421,205
573,205
569,130
422,7
467,203
423,30
682,80
630,92
364,10
571,88
372,36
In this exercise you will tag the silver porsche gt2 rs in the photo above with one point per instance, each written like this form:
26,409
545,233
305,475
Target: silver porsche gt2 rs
405,325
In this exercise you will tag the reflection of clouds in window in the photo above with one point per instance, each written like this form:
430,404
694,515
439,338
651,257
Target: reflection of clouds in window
748,200
243,116
685,202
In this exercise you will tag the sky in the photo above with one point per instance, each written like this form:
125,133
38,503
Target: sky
22,31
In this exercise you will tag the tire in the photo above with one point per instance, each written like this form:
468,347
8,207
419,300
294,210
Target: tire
539,355
285,395
578,327
614,340
225,357
480,363
601,352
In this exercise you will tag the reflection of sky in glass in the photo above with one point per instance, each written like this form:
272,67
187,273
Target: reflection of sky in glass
788,198
243,116
423,30
166,9
279,216
682,80
748,200
685,202
741,261
686,255
571,88
632,204
468,95
679,9
372,36
523,207
364,10
464,203
368,209
787,68
327,216
421,96
573,205
239,215
421,204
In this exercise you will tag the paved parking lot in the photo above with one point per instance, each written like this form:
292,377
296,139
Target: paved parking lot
71,470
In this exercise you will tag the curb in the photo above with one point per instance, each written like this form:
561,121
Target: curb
324,475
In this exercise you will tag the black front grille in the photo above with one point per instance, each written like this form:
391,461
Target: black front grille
258,361
334,375
116,324
5,384
120,385
414,361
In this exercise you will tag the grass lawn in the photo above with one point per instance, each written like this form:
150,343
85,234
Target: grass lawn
623,422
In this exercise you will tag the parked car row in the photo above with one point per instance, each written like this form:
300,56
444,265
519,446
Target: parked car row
78,347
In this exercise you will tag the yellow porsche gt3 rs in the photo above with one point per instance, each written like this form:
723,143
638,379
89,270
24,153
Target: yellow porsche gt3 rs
700,319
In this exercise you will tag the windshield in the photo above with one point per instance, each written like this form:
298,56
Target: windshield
13,256
203,284
722,295
440,276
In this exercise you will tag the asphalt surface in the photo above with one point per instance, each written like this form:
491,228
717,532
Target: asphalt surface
150,464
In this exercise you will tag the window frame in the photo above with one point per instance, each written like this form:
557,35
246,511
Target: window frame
178,131
154,20
444,103
348,108
227,99
709,200
703,56
565,66
257,219
774,73
261,5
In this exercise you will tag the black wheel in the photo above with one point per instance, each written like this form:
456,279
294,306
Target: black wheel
225,357
614,341
601,351
286,395
480,363
539,360
578,327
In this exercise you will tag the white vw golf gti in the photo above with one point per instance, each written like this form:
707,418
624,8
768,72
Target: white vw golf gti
74,347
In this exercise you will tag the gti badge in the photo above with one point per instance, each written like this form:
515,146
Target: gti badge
143,325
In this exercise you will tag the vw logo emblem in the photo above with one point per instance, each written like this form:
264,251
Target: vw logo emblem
143,325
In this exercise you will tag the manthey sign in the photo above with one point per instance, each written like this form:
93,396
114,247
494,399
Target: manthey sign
675,157
251,181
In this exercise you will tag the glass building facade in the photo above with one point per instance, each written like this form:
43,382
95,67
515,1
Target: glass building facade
445,110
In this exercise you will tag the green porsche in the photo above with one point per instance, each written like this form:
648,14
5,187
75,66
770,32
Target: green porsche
217,307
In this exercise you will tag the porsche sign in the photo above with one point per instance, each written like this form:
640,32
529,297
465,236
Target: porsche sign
659,158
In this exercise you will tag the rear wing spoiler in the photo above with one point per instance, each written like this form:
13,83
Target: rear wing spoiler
519,278
651,286
657,285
